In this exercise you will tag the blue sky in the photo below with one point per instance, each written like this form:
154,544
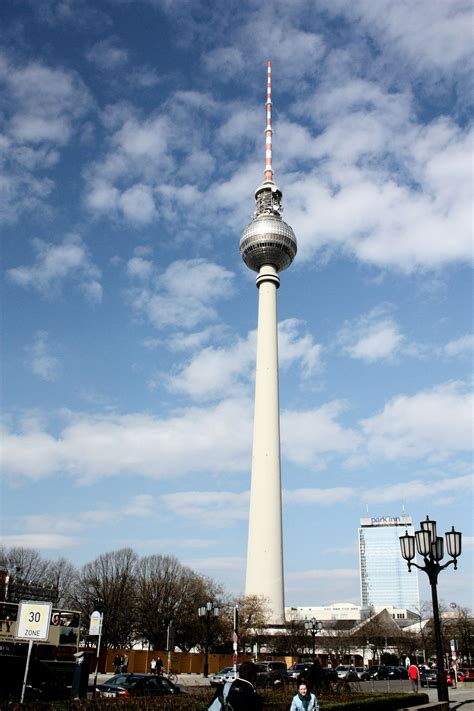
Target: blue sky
132,137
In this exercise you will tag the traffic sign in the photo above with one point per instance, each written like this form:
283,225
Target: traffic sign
33,621
95,623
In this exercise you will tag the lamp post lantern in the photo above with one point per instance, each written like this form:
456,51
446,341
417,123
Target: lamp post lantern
313,626
209,612
430,547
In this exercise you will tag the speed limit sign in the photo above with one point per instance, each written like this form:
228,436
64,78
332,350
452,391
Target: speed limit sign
33,621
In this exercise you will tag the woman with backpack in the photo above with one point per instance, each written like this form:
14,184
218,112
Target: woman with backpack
304,700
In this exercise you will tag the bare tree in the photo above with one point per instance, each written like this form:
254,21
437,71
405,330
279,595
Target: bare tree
254,614
108,584
168,592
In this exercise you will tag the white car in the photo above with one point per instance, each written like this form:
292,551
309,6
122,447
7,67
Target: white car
226,674
347,672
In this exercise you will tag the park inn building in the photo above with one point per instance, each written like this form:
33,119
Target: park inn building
384,577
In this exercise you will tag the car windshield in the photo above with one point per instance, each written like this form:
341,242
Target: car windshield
226,670
123,680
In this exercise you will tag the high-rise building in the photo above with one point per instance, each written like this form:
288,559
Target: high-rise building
384,577
267,246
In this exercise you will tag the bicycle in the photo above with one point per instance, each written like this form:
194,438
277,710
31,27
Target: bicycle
170,675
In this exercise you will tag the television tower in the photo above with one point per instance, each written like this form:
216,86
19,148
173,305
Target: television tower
267,245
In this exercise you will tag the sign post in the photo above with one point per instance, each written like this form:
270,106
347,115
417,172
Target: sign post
33,625
235,640
95,630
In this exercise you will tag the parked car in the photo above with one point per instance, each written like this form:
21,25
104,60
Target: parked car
347,672
123,686
298,669
397,673
43,685
378,671
220,677
428,677
362,673
468,674
270,674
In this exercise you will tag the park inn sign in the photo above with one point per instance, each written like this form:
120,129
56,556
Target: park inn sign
386,521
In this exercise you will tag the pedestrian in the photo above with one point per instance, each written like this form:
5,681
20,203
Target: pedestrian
316,678
125,663
153,666
117,663
240,694
159,666
414,676
304,700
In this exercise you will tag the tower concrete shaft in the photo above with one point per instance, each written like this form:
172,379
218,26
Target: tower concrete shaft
268,246
265,538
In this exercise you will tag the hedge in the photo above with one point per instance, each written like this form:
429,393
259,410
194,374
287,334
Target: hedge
272,701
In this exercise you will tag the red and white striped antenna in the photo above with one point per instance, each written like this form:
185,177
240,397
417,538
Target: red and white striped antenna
268,175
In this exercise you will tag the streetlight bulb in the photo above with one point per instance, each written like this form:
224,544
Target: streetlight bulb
423,542
453,542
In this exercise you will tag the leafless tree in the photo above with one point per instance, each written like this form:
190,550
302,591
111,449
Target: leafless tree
108,584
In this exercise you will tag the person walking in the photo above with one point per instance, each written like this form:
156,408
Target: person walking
304,700
117,663
240,694
414,676
153,666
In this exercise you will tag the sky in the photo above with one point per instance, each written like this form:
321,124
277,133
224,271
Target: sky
132,139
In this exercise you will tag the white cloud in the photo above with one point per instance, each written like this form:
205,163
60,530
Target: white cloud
107,55
221,371
209,508
42,109
91,447
383,188
41,360
432,423
48,541
185,294
137,204
139,268
58,263
459,346
430,37
371,337
307,435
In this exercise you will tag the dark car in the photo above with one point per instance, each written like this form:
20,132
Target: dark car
297,670
42,683
428,677
270,674
397,673
125,685
378,671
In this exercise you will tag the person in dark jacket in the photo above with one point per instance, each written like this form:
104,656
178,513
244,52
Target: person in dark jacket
240,694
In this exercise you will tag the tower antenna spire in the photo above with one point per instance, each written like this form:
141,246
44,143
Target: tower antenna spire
268,175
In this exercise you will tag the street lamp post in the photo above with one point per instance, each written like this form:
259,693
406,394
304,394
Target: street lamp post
313,626
431,548
209,612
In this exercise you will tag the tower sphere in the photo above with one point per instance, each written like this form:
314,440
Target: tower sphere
268,239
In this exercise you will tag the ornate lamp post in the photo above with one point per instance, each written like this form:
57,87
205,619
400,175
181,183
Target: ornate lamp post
431,548
313,626
209,612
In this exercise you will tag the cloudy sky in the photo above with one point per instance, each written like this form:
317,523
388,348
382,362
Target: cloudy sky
132,140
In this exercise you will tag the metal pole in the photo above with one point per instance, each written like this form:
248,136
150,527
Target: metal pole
98,653
441,682
206,648
23,688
